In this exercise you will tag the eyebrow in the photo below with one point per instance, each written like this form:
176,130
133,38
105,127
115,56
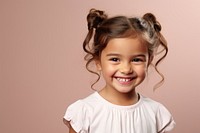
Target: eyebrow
113,54
136,55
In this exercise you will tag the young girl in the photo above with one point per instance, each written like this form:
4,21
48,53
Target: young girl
122,49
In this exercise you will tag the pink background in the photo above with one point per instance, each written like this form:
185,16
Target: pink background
42,69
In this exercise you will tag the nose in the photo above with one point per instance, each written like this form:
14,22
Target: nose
126,68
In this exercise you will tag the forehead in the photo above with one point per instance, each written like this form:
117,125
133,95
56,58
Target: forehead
125,46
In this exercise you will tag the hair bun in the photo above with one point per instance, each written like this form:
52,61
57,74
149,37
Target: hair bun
95,17
151,18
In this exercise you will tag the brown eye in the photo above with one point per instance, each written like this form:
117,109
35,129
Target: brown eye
137,60
114,59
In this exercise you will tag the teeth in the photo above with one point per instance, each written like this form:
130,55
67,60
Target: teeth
123,80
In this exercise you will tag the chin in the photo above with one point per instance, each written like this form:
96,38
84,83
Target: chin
126,90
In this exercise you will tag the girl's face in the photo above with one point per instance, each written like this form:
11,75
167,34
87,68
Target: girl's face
123,64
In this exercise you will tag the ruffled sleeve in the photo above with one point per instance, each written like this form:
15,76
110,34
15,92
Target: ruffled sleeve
165,121
77,116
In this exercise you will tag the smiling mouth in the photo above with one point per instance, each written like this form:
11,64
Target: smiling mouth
124,80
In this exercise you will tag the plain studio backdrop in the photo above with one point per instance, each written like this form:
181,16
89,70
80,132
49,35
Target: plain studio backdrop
42,69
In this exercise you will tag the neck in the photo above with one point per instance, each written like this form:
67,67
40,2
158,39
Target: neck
118,98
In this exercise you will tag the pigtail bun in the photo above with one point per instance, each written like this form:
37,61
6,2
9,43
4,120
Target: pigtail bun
95,18
152,19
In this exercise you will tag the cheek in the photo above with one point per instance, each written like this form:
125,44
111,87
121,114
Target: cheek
141,71
108,70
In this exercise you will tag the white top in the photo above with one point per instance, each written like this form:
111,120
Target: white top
96,115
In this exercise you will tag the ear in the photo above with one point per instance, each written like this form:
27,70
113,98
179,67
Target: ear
150,60
98,65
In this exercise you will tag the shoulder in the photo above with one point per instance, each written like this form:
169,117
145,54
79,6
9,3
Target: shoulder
78,113
158,108
83,105
150,103
164,119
